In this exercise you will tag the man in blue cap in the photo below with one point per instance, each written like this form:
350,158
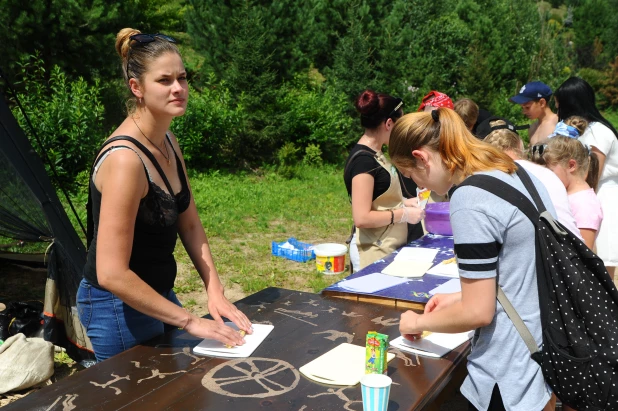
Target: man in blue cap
534,101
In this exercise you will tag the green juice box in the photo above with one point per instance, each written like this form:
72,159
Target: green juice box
376,348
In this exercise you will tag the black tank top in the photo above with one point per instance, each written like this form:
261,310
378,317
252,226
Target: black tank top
156,229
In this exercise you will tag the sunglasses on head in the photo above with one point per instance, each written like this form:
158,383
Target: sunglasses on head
397,108
538,149
144,38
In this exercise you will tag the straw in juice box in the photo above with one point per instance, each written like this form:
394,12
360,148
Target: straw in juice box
422,195
376,348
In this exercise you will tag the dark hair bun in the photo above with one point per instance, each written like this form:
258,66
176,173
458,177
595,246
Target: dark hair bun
367,103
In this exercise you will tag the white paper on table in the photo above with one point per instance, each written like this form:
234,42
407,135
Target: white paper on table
343,365
445,270
449,287
371,283
434,345
216,348
407,269
416,254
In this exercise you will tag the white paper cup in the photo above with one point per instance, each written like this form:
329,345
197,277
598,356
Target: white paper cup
375,389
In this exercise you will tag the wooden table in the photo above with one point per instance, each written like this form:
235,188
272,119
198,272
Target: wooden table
411,295
165,375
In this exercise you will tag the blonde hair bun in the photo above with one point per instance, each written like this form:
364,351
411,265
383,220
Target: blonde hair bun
122,41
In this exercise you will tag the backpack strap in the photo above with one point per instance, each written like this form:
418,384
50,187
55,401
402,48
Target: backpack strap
527,181
515,197
513,315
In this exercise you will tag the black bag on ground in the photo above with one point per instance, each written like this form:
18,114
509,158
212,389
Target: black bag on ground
21,317
578,304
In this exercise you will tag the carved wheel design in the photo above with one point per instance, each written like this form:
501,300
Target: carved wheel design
252,378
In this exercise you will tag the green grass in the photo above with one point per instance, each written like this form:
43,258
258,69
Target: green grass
244,214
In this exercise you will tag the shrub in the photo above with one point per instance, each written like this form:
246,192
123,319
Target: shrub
313,155
609,89
316,115
211,130
67,116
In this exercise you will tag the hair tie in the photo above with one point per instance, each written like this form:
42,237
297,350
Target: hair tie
589,150
435,114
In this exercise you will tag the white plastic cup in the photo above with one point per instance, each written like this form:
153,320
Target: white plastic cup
375,389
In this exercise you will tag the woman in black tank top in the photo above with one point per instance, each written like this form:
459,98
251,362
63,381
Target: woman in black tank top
140,202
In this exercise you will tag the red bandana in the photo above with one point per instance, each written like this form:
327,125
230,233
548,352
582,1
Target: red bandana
436,99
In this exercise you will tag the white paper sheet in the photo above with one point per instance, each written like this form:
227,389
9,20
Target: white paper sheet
449,287
419,254
371,283
445,270
407,269
435,345
215,348
343,365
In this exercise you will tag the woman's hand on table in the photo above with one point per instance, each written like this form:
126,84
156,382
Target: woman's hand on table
219,306
203,328
440,301
408,326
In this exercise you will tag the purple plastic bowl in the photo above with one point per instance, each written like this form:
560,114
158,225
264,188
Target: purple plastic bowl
437,219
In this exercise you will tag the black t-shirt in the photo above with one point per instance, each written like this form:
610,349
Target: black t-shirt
366,163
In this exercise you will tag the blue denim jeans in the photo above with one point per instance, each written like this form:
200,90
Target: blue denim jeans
112,325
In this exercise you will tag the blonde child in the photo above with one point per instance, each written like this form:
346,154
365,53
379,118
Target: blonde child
510,142
577,167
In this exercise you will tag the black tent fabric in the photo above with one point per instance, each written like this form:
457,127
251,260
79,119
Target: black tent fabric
31,211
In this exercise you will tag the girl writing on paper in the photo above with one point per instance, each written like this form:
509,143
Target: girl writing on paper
437,150
381,213
140,203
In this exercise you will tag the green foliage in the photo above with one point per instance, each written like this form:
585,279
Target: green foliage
596,39
609,89
66,115
287,157
313,155
210,132
288,154
79,36
317,115
265,73
593,76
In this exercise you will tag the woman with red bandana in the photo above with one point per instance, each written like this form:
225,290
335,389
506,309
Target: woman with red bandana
435,99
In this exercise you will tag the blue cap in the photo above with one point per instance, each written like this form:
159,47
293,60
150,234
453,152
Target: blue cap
532,91
564,130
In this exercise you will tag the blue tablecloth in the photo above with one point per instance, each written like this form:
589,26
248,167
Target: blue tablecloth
416,289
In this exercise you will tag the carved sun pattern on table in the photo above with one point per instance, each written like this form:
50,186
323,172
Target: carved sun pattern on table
252,378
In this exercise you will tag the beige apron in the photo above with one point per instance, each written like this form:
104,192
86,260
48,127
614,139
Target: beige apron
376,243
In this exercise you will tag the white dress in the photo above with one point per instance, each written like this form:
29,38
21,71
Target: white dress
600,136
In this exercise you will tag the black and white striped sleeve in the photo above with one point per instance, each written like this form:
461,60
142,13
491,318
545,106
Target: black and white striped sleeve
478,239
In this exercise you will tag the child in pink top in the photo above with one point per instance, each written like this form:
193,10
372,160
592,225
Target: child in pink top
577,167
586,208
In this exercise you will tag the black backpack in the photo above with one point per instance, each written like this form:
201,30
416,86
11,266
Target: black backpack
578,306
